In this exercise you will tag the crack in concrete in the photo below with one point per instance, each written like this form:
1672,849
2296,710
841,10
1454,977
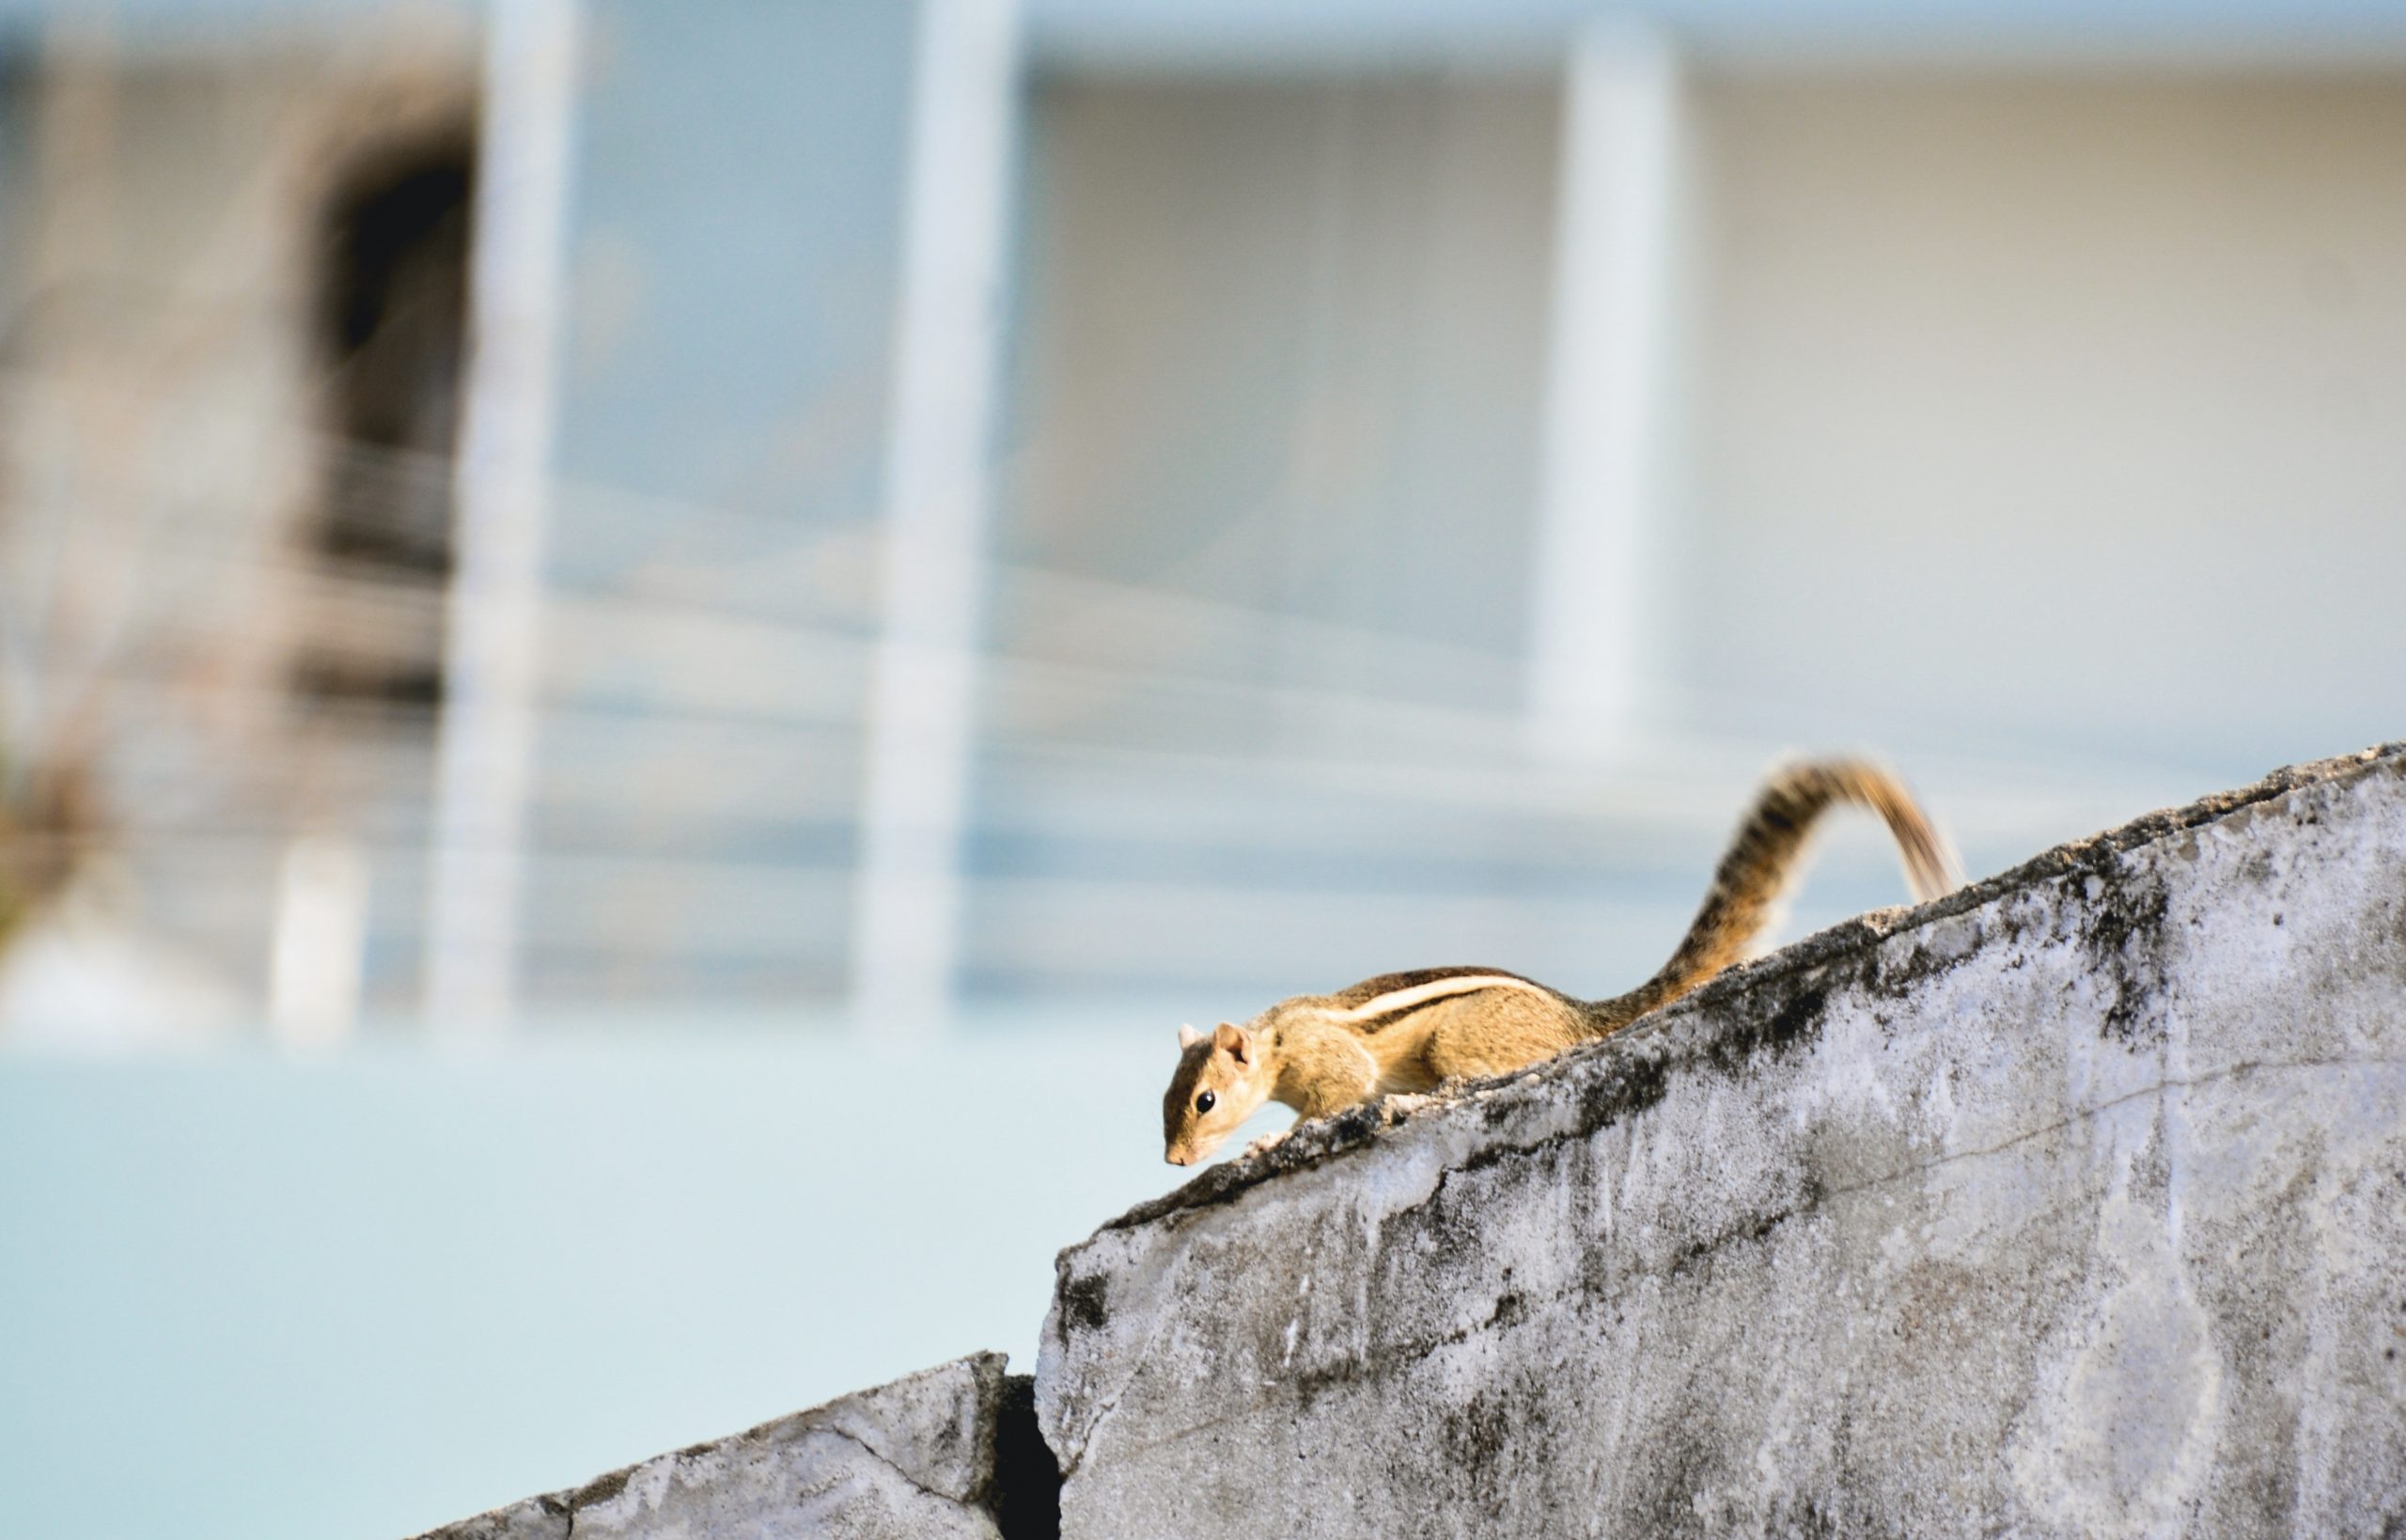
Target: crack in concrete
2100,1109
911,1480
1104,1408
578,1503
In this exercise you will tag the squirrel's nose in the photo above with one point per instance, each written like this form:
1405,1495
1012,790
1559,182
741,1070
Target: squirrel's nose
1173,1158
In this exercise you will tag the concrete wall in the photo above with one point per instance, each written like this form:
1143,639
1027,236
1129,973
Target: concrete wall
2072,1204
928,1455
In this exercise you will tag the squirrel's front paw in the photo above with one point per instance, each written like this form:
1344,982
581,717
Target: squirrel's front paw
1266,1142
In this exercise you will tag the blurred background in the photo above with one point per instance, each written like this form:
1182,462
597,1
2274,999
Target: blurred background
648,652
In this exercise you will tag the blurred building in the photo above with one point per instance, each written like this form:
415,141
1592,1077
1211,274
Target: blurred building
556,509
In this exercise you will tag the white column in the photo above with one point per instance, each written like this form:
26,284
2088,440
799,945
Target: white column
1609,375
965,106
501,493
317,950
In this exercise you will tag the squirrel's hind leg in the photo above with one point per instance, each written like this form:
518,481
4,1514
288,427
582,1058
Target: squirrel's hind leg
1496,1036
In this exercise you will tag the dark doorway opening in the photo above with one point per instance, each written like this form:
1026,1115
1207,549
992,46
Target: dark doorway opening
391,325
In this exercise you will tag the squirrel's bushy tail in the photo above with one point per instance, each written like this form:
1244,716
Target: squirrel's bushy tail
1764,855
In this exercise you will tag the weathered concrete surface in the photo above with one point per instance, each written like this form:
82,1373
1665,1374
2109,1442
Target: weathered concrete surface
2071,1204
917,1457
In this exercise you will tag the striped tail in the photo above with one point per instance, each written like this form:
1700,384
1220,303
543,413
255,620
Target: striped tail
1767,851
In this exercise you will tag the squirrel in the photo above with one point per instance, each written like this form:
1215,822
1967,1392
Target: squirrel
1414,1031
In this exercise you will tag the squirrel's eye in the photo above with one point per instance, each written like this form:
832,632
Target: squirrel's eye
1205,1102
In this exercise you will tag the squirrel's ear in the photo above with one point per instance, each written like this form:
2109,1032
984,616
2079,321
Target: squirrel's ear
1188,1037
1236,1040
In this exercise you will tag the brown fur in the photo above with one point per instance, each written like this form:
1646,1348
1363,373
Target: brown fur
1413,1032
